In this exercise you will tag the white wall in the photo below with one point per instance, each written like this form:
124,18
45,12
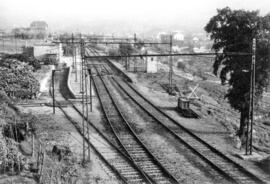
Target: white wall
152,66
40,50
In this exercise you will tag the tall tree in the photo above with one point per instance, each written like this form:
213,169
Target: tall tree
233,31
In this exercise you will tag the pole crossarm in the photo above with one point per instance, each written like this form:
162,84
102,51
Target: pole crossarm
173,54
111,43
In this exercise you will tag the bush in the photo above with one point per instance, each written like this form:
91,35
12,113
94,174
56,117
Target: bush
23,58
16,79
10,157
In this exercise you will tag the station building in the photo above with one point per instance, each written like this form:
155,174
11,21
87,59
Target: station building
144,64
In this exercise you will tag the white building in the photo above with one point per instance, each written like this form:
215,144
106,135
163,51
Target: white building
178,36
195,39
145,64
151,63
42,49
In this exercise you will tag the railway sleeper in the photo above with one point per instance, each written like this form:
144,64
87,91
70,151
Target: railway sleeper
137,151
139,155
152,167
138,180
127,169
132,176
128,173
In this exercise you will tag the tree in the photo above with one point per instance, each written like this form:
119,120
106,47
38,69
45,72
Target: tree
22,58
233,31
16,79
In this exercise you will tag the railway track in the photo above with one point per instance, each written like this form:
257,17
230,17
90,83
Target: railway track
130,142
217,160
228,168
115,159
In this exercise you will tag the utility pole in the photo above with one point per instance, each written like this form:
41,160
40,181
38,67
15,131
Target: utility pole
76,70
53,71
171,67
3,43
72,42
81,63
87,111
15,39
74,53
91,106
253,90
135,38
82,92
251,100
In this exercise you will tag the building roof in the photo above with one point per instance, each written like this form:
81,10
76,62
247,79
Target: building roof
39,24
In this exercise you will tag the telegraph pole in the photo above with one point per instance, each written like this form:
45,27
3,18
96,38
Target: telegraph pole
72,42
74,53
87,115
81,64
171,67
53,71
15,39
76,70
135,38
82,92
91,106
3,43
251,100
253,90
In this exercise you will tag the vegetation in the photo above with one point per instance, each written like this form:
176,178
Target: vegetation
16,78
22,58
233,31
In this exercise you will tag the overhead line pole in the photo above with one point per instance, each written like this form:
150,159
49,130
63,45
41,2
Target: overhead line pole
53,71
73,61
76,67
253,90
91,106
82,92
81,63
3,43
171,67
87,115
249,130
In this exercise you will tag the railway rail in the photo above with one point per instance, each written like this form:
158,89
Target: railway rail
228,168
216,159
130,142
115,159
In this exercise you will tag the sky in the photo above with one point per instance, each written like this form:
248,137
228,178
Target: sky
78,13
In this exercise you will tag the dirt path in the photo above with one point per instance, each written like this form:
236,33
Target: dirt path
55,129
